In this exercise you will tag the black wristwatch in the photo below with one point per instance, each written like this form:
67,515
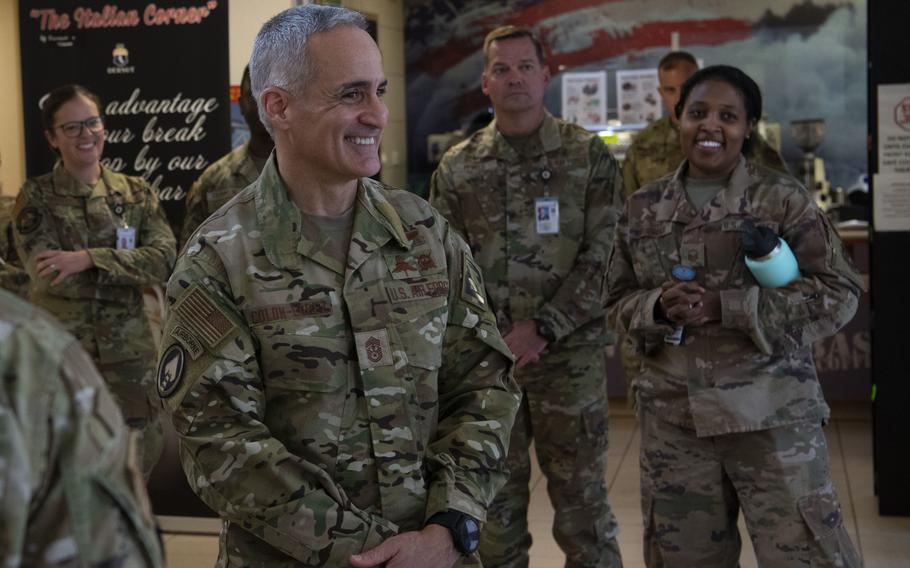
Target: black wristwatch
544,330
464,528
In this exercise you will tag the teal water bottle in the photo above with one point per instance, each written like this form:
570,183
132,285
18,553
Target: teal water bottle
769,257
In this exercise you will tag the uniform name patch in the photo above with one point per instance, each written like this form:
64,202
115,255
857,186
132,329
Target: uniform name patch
170,370
302,309
417,291
204,317
373,349
188,340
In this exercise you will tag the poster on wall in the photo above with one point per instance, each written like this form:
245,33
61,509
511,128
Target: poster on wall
584,98
161,70
637,98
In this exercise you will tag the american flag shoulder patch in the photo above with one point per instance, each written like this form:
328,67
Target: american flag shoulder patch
203,316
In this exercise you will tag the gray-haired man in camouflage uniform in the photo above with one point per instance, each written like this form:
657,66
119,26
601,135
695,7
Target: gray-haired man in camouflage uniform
71,493
537,199
655,152
330,362
237,169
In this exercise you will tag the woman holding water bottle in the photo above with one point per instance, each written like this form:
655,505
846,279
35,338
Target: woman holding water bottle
730,406
91,240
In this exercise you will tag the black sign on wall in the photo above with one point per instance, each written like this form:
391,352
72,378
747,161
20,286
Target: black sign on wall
161,70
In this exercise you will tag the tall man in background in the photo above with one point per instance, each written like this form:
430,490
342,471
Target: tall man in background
655,151
537,200
239,168
334,373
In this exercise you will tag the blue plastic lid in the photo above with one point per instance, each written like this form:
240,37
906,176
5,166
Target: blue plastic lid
683,273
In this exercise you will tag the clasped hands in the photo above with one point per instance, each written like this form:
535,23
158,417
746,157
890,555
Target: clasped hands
525,343
688,304
428,548
62,263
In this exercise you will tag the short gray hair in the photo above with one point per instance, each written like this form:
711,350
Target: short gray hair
279,51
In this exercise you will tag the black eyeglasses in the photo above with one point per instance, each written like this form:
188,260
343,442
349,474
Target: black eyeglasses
74,129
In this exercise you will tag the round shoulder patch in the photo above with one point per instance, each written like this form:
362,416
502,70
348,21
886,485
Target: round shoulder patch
28,220
170,370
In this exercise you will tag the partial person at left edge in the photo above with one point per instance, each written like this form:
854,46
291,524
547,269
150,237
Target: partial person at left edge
91,239
13,276
331,364
71,493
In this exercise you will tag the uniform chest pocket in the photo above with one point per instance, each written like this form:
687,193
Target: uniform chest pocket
655,250
305,380
725,257
419,314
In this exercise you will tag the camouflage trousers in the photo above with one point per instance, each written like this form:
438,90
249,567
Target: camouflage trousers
564,410
693,489
131,384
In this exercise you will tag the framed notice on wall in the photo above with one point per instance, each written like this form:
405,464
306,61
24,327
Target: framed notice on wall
161,70
584,98
637,99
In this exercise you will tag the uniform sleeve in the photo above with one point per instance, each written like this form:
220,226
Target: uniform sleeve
478,397
630,307
152,259
16,478
579,298
34,231
194,211
814,306
630,181
231,459
444,197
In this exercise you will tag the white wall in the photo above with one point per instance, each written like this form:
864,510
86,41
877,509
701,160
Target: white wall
12,133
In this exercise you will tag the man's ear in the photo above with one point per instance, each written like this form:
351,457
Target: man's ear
546,75
483,83
275,101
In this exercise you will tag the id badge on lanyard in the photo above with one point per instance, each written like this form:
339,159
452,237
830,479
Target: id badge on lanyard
547,215
126,238
126,235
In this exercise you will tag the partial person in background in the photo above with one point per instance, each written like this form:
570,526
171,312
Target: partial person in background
731,415
91,240
71,493
239,168
13,276
656,151
331,364
537,200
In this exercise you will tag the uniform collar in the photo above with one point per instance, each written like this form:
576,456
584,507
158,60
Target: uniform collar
493,144
375,223
673,205
244,166
66,184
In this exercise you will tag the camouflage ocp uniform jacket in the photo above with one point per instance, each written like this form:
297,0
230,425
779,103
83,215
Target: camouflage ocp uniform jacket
101,306
655,152
216,186
71,493
323,407
488,193
12,276
753,370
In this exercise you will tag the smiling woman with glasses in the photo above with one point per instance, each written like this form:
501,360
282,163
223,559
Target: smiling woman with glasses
91,240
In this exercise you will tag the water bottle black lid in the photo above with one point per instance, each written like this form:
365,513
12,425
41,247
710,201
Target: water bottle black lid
758,241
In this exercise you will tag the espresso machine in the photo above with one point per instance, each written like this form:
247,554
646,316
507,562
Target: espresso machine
808,134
